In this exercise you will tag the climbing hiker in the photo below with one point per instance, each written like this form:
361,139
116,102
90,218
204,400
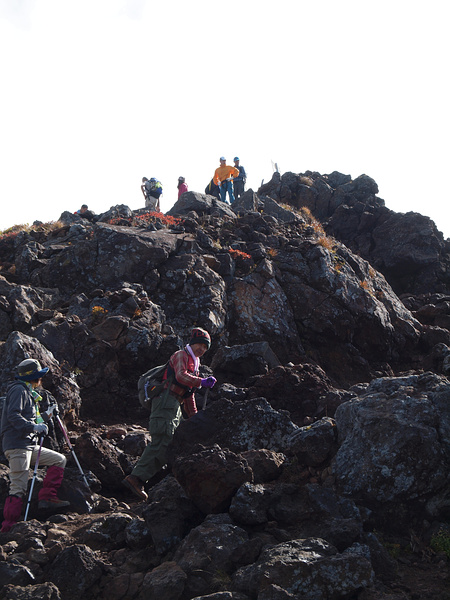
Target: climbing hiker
240,180
223,177
23,424
152,190
182,380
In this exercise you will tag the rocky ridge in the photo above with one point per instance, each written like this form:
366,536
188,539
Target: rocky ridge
319,465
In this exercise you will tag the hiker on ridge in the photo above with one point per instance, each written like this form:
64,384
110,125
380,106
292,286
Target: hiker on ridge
85,213
22,424
182,186
152,190
182,380
223,177
239,181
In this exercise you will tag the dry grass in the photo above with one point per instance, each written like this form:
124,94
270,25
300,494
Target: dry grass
326,242
16,229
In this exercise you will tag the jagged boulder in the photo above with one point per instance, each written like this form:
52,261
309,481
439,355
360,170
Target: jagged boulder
201,204
304,390
41,591
244,361
238,426
260,309
102,458
248,202
95,262
211,477
211,552
309,568
394,448
18,347
169,515
332,293
75,571
22,306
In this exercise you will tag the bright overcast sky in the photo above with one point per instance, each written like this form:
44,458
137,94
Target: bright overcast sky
98,93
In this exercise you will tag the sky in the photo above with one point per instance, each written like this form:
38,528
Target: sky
97,94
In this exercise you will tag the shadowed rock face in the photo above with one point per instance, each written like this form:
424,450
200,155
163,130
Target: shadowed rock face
330,418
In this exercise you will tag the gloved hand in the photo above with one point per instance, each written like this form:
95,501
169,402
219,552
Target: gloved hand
47,415
40,428
50,410
209,382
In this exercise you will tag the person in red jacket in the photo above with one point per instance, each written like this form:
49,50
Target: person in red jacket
182,186
183,379
223,177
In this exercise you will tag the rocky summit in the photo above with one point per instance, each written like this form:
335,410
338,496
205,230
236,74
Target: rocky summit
318,466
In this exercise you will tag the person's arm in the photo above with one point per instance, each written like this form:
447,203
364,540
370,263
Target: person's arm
142,190
217,176
180,365
234,172
16,402
243,174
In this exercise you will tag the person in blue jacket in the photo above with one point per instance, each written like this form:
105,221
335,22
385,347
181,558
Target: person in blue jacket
240,180
22,428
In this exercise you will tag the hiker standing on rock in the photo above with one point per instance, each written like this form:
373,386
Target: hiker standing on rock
182,380
239,181
223,177
152,190
182,186
22,424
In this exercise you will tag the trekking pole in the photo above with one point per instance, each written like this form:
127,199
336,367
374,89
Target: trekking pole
205,398
63,429
36,464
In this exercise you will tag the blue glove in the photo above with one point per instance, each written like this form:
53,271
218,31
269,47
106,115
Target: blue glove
209,382
40,428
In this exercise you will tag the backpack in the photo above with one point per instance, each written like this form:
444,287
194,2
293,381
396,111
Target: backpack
151,384
153,188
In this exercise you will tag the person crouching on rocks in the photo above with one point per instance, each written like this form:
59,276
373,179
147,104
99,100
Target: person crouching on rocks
182,379
22,425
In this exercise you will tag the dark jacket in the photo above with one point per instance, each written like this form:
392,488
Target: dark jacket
18,417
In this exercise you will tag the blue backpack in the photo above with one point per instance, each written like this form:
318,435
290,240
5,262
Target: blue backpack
153,187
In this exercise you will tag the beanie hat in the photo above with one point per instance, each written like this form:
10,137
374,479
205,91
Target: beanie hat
200,336
30,370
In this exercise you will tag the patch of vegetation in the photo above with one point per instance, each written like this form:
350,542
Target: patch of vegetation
238,254
13,231
146,219
441,542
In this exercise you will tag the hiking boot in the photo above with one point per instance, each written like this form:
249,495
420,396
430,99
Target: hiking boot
134,484
52,504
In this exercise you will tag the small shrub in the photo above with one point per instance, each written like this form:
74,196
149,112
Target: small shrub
441,542
98,311
364,285
238,254
326,242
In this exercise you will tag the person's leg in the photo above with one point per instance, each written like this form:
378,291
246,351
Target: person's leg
19,464
230,191
164,419
161,428
223,192
48,494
